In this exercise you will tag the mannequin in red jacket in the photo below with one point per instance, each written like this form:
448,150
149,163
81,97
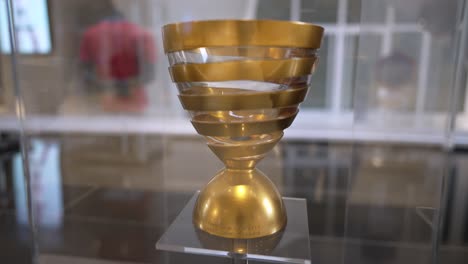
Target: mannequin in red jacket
118,59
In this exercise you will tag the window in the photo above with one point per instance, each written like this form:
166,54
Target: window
31,25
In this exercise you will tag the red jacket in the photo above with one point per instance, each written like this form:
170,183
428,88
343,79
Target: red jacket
117,49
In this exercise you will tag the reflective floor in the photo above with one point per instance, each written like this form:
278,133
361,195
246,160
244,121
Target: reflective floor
108,199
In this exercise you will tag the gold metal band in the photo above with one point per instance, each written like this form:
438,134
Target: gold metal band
254,70
206,90
216,33
242,129
226,152
260,100
256,52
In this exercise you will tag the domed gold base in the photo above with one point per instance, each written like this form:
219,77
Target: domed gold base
260,246
240,204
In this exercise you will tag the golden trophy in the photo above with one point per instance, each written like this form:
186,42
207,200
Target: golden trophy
242,82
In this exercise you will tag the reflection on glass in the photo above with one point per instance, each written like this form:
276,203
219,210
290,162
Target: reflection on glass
408,76
319,11
388,188
395,82
320,85
46,186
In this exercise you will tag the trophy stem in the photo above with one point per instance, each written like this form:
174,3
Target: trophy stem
248,164
243,154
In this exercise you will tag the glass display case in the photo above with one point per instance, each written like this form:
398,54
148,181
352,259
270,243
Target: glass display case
98,159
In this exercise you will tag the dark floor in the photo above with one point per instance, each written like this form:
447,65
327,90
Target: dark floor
366,204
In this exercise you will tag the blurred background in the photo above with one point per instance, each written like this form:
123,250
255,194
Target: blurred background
97,159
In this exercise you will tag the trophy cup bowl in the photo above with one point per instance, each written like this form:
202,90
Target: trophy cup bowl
242,82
